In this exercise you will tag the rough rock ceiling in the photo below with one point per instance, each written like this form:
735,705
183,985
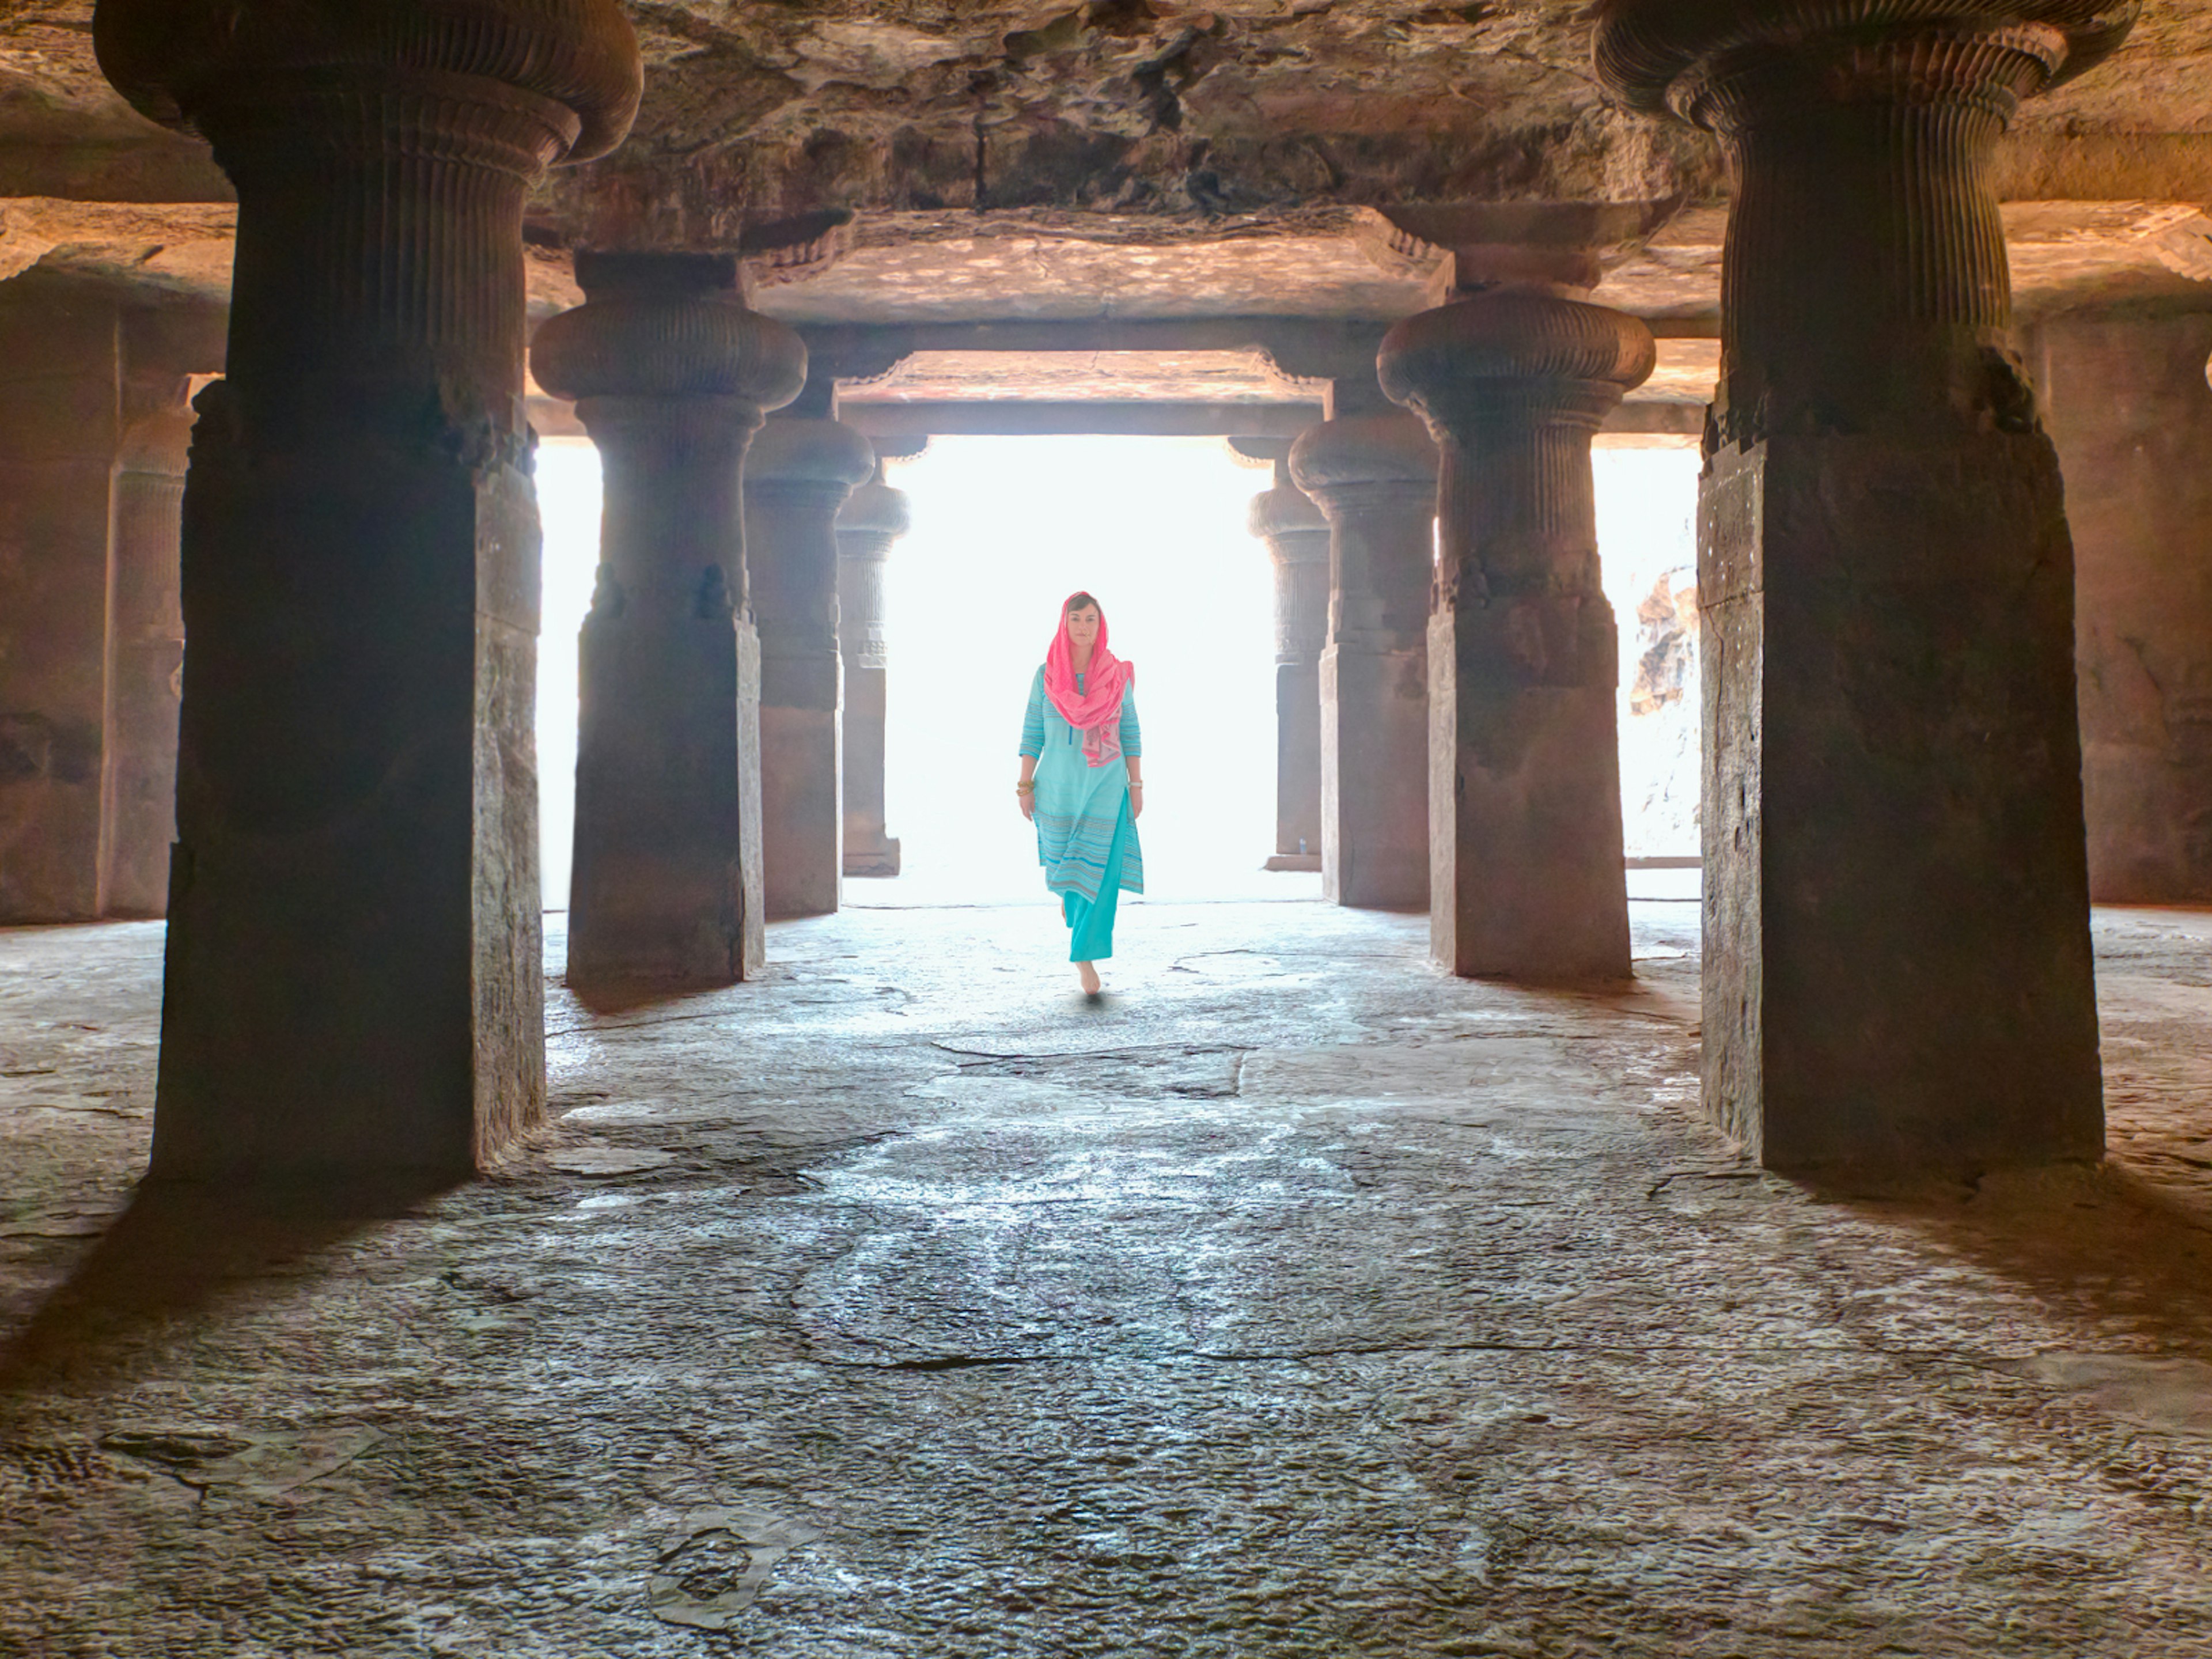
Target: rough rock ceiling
960,159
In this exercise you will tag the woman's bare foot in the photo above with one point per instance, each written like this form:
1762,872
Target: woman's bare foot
1089,975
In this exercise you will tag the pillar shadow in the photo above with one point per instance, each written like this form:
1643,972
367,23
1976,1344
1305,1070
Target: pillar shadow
2098,1241
627,997
180,1249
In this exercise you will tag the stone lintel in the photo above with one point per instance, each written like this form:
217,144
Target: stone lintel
1012,417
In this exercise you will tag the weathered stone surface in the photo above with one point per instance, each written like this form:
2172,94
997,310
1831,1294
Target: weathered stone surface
1526,873
1300,1302
353,901
671,373
2128,409
799,473
1374,476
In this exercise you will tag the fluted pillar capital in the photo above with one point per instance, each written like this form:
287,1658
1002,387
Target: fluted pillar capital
199,64
666,341
797,478
380,154
1866,284
1358,454
1291,523
801,454
158,444
1517,357
874,517
1296,535
1725,64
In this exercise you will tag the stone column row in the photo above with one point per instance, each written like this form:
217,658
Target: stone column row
353,974
802,470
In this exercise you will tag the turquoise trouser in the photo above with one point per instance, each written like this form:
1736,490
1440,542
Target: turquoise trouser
1090,921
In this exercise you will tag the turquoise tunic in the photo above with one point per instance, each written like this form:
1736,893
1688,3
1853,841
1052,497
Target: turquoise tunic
1086,834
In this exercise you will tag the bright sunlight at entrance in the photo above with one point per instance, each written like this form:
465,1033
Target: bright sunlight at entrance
1004,529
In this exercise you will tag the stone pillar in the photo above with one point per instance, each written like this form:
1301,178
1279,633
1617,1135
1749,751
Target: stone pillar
873,518
1375,477
1897,961
1296,535
1526,876
800,471
671,373
352,978
145,659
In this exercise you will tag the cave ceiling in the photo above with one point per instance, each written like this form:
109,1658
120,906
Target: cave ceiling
930,162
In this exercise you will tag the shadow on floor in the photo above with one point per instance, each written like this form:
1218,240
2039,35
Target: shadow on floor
2097,1240
177,1249
608,1000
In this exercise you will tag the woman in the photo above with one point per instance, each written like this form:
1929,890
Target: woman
1080,784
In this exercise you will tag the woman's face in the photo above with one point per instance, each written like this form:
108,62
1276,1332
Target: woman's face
1083,627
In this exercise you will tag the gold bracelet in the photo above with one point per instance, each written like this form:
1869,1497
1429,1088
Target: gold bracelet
1025,788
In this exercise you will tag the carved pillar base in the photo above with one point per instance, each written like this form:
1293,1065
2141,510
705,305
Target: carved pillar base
352,973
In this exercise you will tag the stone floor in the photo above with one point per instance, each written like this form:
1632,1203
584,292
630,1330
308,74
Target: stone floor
1295,1301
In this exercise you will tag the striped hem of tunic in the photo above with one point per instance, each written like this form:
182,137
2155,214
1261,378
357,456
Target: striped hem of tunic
1085,843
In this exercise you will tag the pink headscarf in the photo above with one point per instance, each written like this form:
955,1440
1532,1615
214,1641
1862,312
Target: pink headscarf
1095,711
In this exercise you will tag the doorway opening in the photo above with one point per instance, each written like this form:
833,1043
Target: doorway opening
1004,528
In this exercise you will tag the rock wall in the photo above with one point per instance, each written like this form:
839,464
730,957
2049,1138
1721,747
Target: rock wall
59,430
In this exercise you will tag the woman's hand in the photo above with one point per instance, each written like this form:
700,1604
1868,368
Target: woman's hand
1136,798
1027,798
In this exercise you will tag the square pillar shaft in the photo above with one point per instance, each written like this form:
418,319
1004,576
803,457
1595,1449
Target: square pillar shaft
873,518
1897,967
1297,534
